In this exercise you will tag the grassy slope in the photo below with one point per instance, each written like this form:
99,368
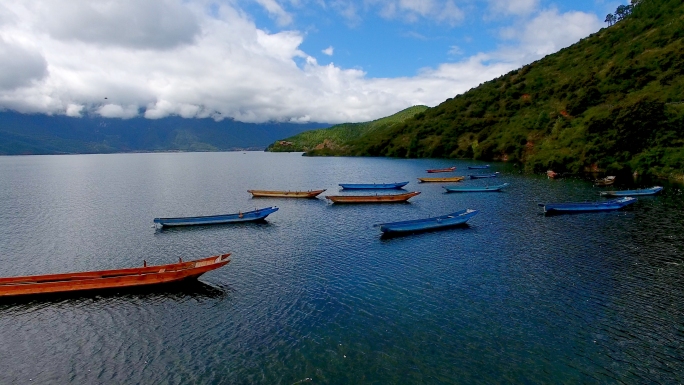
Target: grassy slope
612,101
333,140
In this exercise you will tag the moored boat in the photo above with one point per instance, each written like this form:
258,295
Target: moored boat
482,176
417,225
474,188
446,179
436,170
391,198
110,279
247,216
576,207
630,193
607,181
552,174
372,186
478,167
284,194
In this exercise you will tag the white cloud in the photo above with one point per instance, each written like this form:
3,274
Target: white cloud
226,67
443,11
275,10
455,50
328,51
19,66
513,7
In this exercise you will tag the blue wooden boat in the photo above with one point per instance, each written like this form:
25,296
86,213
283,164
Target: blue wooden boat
478,167
247,216
368,186
481,176
417,225
614,204
475,189
630,193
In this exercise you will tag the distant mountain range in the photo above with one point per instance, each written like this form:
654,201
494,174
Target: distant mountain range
23,134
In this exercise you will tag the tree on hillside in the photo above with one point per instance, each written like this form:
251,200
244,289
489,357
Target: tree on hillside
610,19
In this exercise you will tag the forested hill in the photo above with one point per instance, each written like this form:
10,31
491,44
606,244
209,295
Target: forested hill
613,101
43,134
333,140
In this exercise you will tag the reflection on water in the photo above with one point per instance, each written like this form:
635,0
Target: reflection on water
315,292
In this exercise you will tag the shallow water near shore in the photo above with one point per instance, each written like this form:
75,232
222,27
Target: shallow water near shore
316,295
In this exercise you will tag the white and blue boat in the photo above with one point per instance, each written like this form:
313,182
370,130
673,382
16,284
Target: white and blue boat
614,204
247,216
417,225
369,186
478,167
630,193
481,176
475,188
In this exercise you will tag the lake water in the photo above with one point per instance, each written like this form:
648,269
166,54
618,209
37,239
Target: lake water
315,295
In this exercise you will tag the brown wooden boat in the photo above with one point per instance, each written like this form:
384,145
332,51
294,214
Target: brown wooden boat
435,170
447,179
372,198
284,194
110,279
607,181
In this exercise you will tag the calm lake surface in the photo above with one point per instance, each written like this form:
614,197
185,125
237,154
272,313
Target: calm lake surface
315,295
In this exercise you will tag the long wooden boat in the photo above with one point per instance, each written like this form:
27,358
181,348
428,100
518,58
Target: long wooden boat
607,181
110,279
372,186
475,189
247,216
447,179
478,167
614,204
444,221
436,170
630,193
284,194
482,176
372,198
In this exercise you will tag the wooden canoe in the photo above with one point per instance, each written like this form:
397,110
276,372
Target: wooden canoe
373,186
435,170
247,216
447,179
417,225
578,207
475,189
372,198
478,167
110,279
284,194
482,176
607,181
630,193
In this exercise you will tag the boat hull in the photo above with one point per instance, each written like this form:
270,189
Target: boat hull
372,186
607,181
579,207
248,216
372,198
631,193
478,167
442,222
284,194
437,170
483,176
109,279
475,189
442,180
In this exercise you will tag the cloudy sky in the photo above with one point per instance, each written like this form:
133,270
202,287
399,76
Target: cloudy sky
326,61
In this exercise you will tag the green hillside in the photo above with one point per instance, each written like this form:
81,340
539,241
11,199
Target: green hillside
334,140
613,101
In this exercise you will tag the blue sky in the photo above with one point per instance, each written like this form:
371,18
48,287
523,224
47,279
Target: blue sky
326,61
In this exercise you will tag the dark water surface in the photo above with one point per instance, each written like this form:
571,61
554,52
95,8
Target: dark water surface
315,295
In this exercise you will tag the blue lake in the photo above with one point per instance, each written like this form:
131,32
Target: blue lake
315,295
